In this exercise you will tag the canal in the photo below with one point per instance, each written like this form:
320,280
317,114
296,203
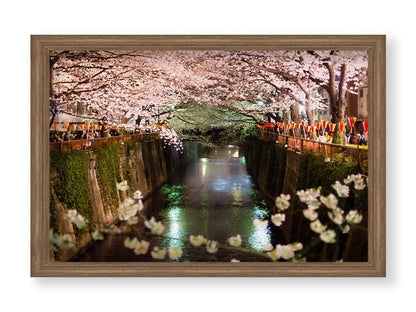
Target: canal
214,196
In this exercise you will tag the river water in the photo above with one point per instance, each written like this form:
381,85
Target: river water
213,196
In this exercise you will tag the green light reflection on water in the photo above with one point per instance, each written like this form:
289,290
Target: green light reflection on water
243,160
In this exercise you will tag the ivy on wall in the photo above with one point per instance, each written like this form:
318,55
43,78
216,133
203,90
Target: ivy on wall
108,174
70,185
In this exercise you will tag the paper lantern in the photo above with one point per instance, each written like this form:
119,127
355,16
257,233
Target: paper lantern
87,124
73,126
100,127
341,126
351,121
324,124
55,126
95,127
332,127
365,124
303,123
318,125
298,126
66,124
82,127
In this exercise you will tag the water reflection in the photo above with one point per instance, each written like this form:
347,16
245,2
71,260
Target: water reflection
214,197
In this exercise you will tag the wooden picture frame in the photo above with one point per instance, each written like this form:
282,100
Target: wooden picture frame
40,75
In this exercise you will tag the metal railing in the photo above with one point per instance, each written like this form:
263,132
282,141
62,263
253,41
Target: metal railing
88,144
327,149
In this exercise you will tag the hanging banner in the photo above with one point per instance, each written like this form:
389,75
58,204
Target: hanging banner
100,127
298,126
55,126
94,126
87,124
66,124
82,126
342,126
303,123
312,129
308,128
332,127
324,124
73,126
318,125
365,124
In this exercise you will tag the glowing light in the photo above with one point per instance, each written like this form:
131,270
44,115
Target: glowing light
235,154
259,238
204,160
204,169
243,160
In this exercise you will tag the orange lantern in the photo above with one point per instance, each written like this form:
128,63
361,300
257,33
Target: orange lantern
66,124
55,126
82,126
318,125
100,127
308,128
342,126
324,124
87,124
73,126
94,126
298,126
332,127
303,123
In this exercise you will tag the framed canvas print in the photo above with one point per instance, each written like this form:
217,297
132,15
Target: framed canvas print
208,155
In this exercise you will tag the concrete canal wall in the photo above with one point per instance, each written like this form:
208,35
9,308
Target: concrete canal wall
86,181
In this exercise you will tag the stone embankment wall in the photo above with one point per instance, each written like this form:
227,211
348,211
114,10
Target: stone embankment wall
277,169
86,181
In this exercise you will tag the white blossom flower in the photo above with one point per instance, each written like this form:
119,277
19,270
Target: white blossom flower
278,219
345,228
330,201
74,217
359,184
309,197
310,214
336,215
268,247
141,247
212,246
286,251
130,243
282,201
260,223
137,195
158,253
155,227
317,226
235,241
133,220
328,236
122,186
358,180
175,253
197,240
354,216
341,189
127,209
296,246
97,235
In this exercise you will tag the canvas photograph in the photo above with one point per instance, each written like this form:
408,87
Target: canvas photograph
208,156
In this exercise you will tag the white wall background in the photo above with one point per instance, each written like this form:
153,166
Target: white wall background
19,19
